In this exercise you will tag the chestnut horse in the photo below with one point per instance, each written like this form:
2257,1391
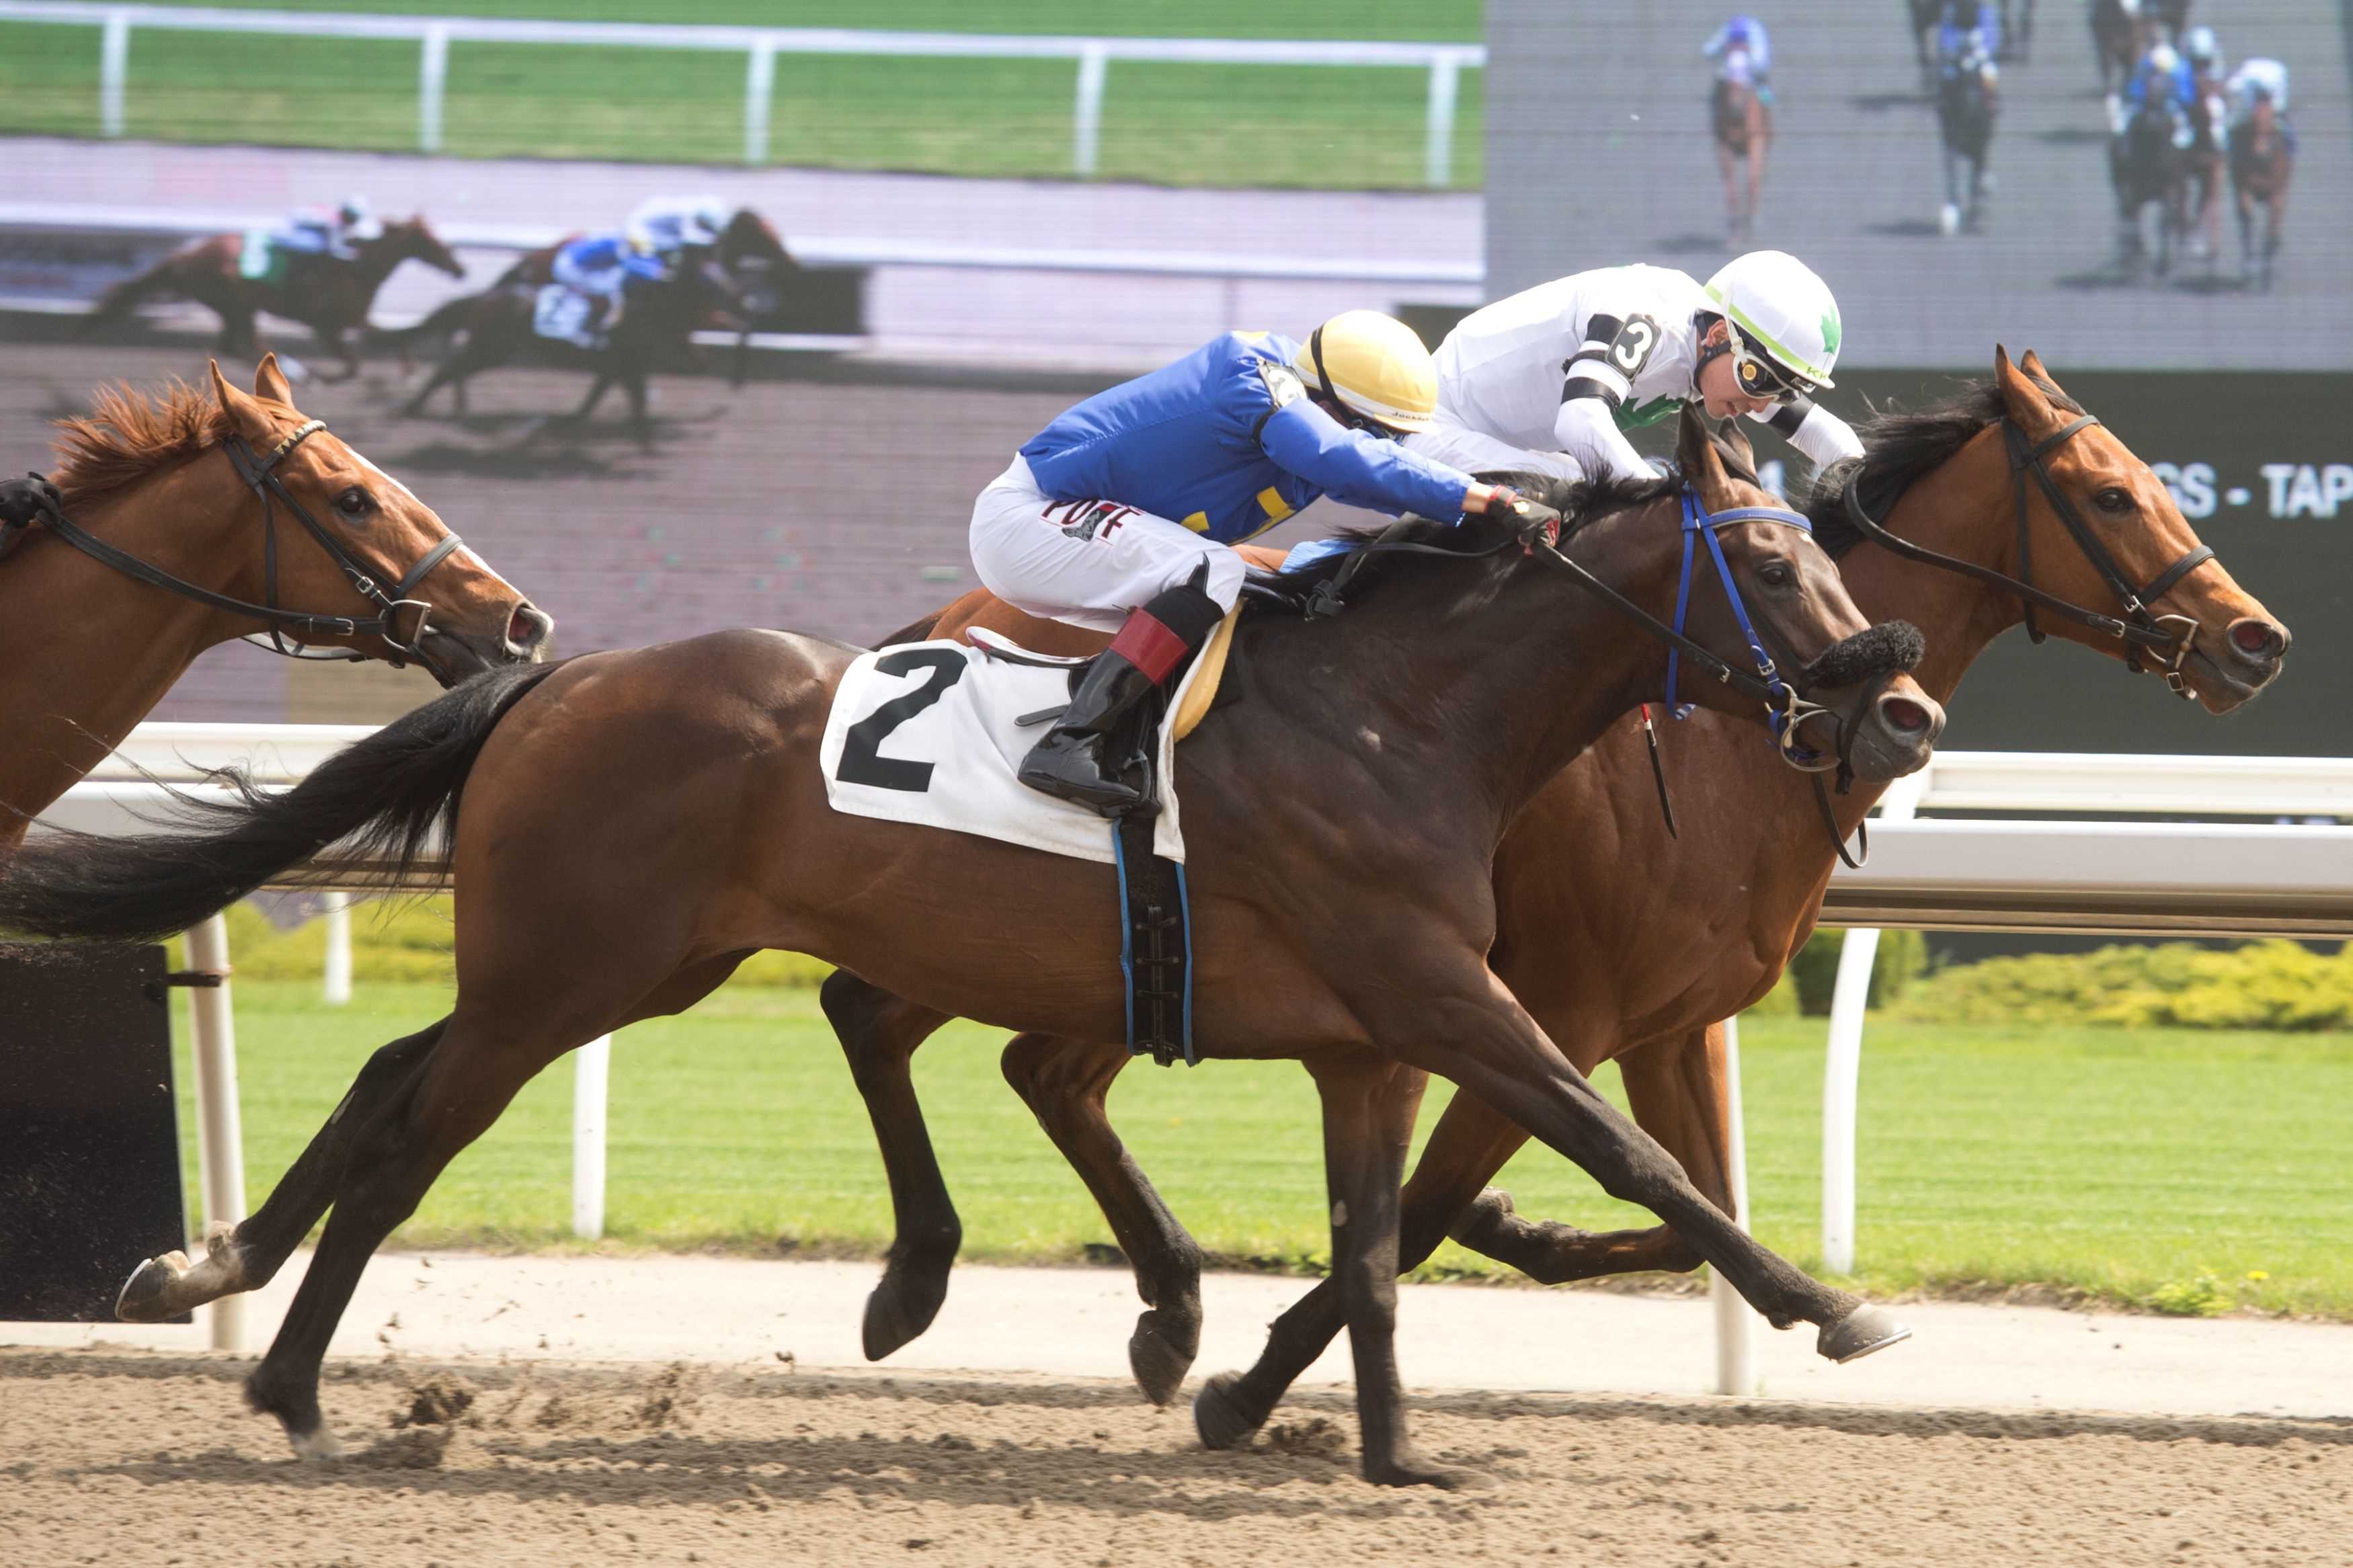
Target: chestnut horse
1625,940
2262,161
637,823
325,293
87,646
1742,128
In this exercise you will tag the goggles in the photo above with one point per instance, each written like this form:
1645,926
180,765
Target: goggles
1759,376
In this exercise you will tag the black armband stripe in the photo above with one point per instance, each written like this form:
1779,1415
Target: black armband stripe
1585,386
1601,329
1591,350
1790,415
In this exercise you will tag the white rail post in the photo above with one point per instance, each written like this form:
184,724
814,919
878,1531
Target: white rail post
220,1141
114,65
759,87
1843,1067
591,1077
432,76
335,906
1736,1321
1086,119
1445,83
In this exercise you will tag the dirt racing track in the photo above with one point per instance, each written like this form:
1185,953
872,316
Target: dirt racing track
127,1459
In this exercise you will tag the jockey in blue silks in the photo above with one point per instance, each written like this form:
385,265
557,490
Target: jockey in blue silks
1120,514
600,267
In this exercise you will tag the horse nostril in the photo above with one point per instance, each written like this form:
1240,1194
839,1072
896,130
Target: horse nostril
1903,715
2257,639
527,630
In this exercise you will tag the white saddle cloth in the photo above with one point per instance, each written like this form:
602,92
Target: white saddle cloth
925,733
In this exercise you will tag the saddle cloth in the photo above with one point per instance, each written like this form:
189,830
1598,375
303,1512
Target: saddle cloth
926,733
261,258
561,312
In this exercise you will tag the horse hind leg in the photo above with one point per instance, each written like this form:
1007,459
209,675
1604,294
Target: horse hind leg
879,1033
1063,1082
246,1256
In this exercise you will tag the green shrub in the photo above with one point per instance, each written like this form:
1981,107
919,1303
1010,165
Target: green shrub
2273,985
1903,957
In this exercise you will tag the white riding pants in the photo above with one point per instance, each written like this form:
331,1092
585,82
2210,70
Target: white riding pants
1475,452
1087,562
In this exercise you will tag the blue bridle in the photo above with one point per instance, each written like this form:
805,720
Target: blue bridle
1786,709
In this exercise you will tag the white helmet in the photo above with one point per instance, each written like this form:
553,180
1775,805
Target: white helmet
1778,311
706,218
2163,60
2198,44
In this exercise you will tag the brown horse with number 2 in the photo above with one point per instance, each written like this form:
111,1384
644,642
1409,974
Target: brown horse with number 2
1624,941
637,823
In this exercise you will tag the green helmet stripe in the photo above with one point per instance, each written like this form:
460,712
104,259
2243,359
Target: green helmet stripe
1770,344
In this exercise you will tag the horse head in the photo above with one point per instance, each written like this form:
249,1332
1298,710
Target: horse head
413,239
2230,647
1855,694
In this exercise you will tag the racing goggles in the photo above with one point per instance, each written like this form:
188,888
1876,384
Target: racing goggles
1760,377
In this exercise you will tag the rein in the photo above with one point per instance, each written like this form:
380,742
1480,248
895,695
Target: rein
259,474
2165,638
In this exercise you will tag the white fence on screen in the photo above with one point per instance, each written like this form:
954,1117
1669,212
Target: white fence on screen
1443,64
2289,875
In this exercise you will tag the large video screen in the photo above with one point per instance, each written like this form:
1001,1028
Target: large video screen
2090,235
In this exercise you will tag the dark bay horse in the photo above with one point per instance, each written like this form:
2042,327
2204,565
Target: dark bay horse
635,824
2263,159
737,282
1965,121
1626,941
2149,166
324,293
86,648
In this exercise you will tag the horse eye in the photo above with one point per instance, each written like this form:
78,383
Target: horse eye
2114,500
354,502
1775,574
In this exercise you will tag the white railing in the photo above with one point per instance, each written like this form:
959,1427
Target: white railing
2129,878
760,47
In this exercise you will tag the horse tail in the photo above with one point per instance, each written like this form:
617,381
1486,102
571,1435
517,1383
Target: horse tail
127,296
443,322
381,798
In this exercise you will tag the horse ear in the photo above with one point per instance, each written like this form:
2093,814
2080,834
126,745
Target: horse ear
2031,364
2019,396
269,382
1703,465
253,421
1739,457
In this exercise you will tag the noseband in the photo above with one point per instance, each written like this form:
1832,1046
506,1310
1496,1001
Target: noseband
2166,639
1785,710
260,475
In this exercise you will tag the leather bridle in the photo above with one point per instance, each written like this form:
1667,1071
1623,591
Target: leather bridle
2166,639
260,475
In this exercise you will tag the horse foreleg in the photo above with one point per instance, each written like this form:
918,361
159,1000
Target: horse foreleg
879,1033
633,381
1368,1110
248,1255
1063,1082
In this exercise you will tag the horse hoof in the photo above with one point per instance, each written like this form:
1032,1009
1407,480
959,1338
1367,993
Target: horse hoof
1859,1332
140,1299
1221,1417
1158,1361
1411,1469
315,1447
896,1315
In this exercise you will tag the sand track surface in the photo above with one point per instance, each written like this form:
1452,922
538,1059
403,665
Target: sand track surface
137,1459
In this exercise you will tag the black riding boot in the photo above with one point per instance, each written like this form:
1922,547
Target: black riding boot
1154,643
1069,764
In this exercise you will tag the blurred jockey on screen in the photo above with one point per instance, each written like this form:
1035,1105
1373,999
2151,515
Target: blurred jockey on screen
1551,378
1119,514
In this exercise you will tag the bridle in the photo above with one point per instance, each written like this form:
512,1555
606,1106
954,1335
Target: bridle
260,475
2166,639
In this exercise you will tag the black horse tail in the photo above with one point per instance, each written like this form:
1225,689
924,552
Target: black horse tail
127,296
380,799
444,322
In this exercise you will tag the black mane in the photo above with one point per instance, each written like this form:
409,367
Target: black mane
1577,502
1900,445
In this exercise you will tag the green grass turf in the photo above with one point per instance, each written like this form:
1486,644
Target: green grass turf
2156,1167
1218,125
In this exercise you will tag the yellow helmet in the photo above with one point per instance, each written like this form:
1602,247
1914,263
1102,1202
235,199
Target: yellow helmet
1374,366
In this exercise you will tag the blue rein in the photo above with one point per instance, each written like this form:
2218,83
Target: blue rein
1786,709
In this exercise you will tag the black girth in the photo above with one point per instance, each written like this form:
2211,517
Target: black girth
2164,638
259,473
